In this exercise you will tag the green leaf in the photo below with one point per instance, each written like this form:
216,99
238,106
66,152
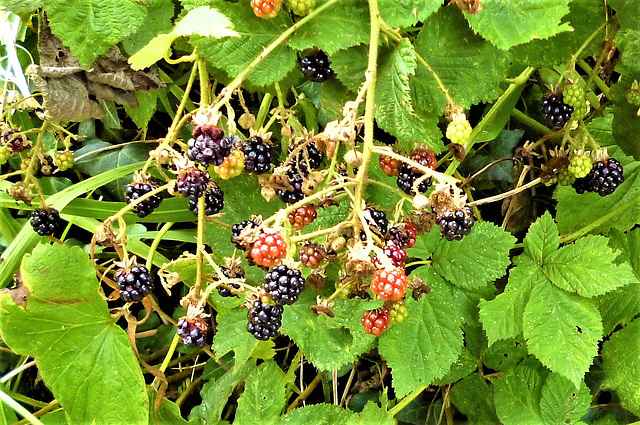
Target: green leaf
542,239
158,21
67,327
508,23
350,65
404,13
474,398
264,396
587,268
630,58
479,258
328,98
20,6
232,335
562,330
457,56
374,415
585,17
626,13
620,361
233,55
203,21
423,347
147,103
91,27
328,343
395,112
465,364
517,394
350,16
500,148
626,124
502,317
319,414
561,402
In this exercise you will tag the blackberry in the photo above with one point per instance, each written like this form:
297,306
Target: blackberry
317,67
296,181
135,191
556,112
192,331
454,225
379,225
396,254
192,182
257,156
284,284
210,148
213,201
16,144
311,255
236,273
64,160
407,176
308,155
237,229
604,178
134,284
264,320
403,235
46,222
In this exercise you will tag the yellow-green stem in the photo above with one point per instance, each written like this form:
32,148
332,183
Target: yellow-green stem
156,242
200,244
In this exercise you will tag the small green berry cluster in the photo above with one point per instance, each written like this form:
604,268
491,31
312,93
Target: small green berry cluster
566,177
459,129
398,313
301,7
5,154
573,95
633,97
580,165
64,160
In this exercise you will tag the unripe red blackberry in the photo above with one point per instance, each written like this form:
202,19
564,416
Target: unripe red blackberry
390,166
266,9
192,331
454,225
311,255
390,284
135,283
16,142
317,67
257,155
303,216
192,182
376,322
284,284
269,250
556,112
46,222
404,234
264,320
396,254
137,190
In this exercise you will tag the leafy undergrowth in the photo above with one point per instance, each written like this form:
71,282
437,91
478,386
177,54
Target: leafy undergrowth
320,211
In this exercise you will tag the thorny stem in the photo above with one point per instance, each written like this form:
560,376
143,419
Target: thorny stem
603,55
156,242
405,401
226,93
441,177
167,358
506,194
307,391
317,233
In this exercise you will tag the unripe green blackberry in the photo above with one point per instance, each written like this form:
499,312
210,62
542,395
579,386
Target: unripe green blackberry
398,313
566,177
301,7
573,95
459,129
5,154
580,165
64,160
633,97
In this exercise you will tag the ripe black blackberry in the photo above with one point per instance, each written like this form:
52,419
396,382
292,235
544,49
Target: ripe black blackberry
135,191
380,224
236,273
264,320
310,153
192,182
604,178
407,177
317,67
134,284
213,200
46,222
257,155
237,229
556,112
192,331
296,181
284,284
210,148
454,225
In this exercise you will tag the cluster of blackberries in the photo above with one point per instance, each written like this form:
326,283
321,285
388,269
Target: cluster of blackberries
137,190
308,157
257,155
284,284
454,225
194,184
317,67
209,146
408,175
135,283
192,332
556,113
604,178
379,224
46,222
264,320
